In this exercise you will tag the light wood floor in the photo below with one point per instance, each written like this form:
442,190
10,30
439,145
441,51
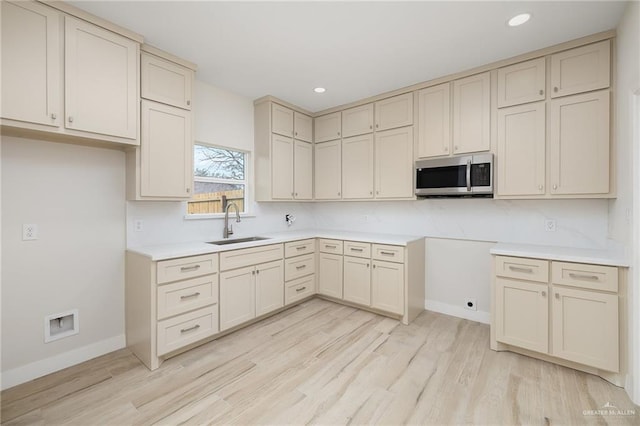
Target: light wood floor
323,363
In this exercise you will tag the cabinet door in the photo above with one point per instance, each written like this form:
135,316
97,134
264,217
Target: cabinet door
387,287
237,297
585,327
281,120
357,121
521,150
580,70
394,163
101,80
522,314
269,287
166,151
327,176
471,114
434,121
357,167
327,127
281,167
394,112
521,83
579,144
31,63
303,127
165,81
357,280
330,275
302,170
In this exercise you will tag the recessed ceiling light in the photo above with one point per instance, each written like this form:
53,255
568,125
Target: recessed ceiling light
519,19
319,90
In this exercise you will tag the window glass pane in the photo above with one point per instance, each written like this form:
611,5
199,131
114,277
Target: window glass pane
207,197
218,163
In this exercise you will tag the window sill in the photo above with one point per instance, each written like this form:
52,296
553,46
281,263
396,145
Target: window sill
215,216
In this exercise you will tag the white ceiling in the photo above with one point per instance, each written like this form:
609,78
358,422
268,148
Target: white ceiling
354,49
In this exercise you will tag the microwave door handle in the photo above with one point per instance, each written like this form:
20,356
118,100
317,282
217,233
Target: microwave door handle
469,175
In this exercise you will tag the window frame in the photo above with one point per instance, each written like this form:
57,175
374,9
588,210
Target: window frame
248,198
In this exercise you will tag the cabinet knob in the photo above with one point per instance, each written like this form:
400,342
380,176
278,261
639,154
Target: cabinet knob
188,102
370,127
374,266
455,148
540,187
338,194
557,295
555,186
296,194
555,89
377,125
54,116
70,119
541,92
296,133
188,190
338,133
253,272
544,294
258,271
292,194
367,265
377,192
446,149
370,192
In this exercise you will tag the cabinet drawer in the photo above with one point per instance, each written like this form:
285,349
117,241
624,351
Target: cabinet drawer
330,246
299,267
593,277
299,289
297,248
352,248
175,333
388,253
251,256
186,267
184,296
522,268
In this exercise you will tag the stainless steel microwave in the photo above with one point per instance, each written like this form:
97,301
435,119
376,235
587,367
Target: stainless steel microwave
464,175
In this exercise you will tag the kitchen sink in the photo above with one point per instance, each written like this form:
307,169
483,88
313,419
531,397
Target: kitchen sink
237,241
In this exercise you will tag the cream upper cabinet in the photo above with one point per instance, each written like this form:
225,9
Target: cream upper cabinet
166,151
302,170
579,144
434,121
330,275
164,81
269,282
357,121
522,314
357,167
101,80
327,177
394,163
281,120
237,297
580,70
521,150
31,63
302,127
282,167
387,286
471,114
585,327
357,280
394,112
327,127
522,83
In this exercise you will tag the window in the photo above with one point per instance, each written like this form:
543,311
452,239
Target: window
218,172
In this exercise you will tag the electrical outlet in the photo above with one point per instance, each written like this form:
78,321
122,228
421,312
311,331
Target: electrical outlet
138,225
29,232
470,304
550,225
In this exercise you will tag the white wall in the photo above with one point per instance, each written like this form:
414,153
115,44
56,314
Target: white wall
624,209
75,195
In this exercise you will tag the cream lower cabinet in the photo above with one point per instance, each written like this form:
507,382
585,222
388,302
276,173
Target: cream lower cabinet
564,312
387,286
299,270
330,275
357,273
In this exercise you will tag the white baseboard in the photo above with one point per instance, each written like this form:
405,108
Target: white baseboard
46,366
457,311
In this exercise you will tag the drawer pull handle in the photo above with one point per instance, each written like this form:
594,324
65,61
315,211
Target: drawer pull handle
356,249
388,253
584,277
330,246
520,269
189,296
186,330
301,267
301,248
301,289
189,268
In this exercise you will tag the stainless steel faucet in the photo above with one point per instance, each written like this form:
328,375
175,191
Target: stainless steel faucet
228,229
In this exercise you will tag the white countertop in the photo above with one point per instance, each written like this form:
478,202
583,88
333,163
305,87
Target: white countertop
566,254
169,251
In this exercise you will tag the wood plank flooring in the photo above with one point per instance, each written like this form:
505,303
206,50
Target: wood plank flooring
323,363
